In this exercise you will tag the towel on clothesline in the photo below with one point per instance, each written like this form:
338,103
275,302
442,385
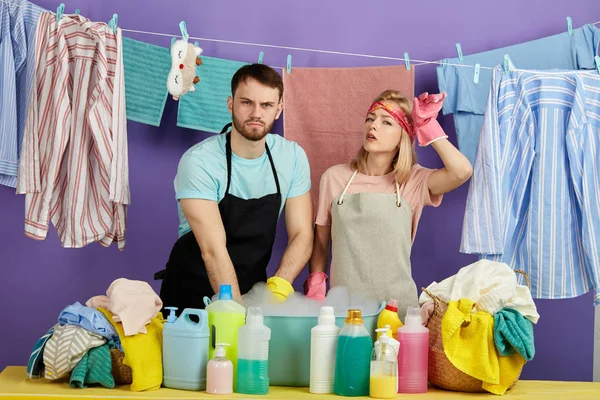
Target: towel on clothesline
325,109
205,109
146,69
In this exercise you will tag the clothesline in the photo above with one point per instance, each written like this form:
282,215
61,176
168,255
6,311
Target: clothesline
417,62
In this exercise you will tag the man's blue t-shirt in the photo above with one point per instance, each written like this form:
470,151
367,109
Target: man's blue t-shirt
202,173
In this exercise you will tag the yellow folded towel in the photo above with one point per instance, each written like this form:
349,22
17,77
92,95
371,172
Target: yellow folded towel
143,353
468,340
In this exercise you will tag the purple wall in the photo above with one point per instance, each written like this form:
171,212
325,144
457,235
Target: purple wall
40,278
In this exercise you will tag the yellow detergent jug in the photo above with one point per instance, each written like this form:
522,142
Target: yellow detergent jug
225,317
389,316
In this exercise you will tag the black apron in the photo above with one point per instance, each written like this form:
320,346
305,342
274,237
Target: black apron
250,227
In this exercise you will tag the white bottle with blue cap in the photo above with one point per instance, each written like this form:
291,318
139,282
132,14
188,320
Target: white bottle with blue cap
225,317
185,349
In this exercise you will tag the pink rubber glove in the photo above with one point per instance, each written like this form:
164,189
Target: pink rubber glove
315,286
426,108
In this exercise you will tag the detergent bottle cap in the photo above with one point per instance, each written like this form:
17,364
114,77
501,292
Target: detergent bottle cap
225,292
392,305
384,339
172,317
220,351
255,316
413,316
354,317
326,315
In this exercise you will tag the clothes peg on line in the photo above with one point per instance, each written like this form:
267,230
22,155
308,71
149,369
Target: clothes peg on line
459,51
184,32
113,23
77,11
407,61
570,26
289,64
59,12
507,64
476,73
260,57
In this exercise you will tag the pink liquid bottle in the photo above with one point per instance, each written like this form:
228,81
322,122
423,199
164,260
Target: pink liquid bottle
413,354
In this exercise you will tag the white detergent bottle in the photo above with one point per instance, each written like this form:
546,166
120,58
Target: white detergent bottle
253,354
219,373
323,344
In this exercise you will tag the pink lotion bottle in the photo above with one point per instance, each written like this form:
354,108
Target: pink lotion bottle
413,354
219,373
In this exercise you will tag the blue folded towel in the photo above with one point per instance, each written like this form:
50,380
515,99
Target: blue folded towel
206,108
513,332
146,69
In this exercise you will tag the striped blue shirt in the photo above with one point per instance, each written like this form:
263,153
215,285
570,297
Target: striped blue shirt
534,199
18,23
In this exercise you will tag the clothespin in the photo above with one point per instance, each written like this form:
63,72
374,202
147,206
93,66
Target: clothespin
570,26
597,59
77,11
260,57
288,66
113,23
59,12
507,64
476,73
459,51
183,28
173,40
406,61
196,43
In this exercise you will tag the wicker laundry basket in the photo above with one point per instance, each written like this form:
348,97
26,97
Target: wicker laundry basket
441,372
120,372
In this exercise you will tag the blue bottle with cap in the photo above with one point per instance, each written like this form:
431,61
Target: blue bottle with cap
185,349
225,317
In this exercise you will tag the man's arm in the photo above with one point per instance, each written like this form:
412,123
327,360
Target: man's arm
298,220
205,220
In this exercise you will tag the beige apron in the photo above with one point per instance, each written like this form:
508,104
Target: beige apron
371,244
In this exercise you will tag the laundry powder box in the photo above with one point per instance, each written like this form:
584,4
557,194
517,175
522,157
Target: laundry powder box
289,347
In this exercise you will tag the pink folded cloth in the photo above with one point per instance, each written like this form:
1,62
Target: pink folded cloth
98,302
133,303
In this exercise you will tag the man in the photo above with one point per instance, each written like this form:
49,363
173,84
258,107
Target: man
231,189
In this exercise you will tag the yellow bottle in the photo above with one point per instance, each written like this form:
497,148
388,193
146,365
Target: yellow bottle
389,316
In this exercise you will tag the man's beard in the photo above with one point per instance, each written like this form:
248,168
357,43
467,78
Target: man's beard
253,133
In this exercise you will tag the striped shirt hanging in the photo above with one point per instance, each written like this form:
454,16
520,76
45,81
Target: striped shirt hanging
534,199
73,167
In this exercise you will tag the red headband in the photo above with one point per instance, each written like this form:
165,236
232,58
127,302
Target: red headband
397,113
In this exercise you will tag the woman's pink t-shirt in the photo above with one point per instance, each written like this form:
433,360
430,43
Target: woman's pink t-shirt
415,191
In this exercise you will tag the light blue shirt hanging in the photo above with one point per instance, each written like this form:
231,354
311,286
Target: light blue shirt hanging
534,198
18,24
205,109
467,99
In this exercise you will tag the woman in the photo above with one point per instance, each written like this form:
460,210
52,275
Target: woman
369,209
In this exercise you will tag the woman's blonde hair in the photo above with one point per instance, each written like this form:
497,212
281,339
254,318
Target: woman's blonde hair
406,157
